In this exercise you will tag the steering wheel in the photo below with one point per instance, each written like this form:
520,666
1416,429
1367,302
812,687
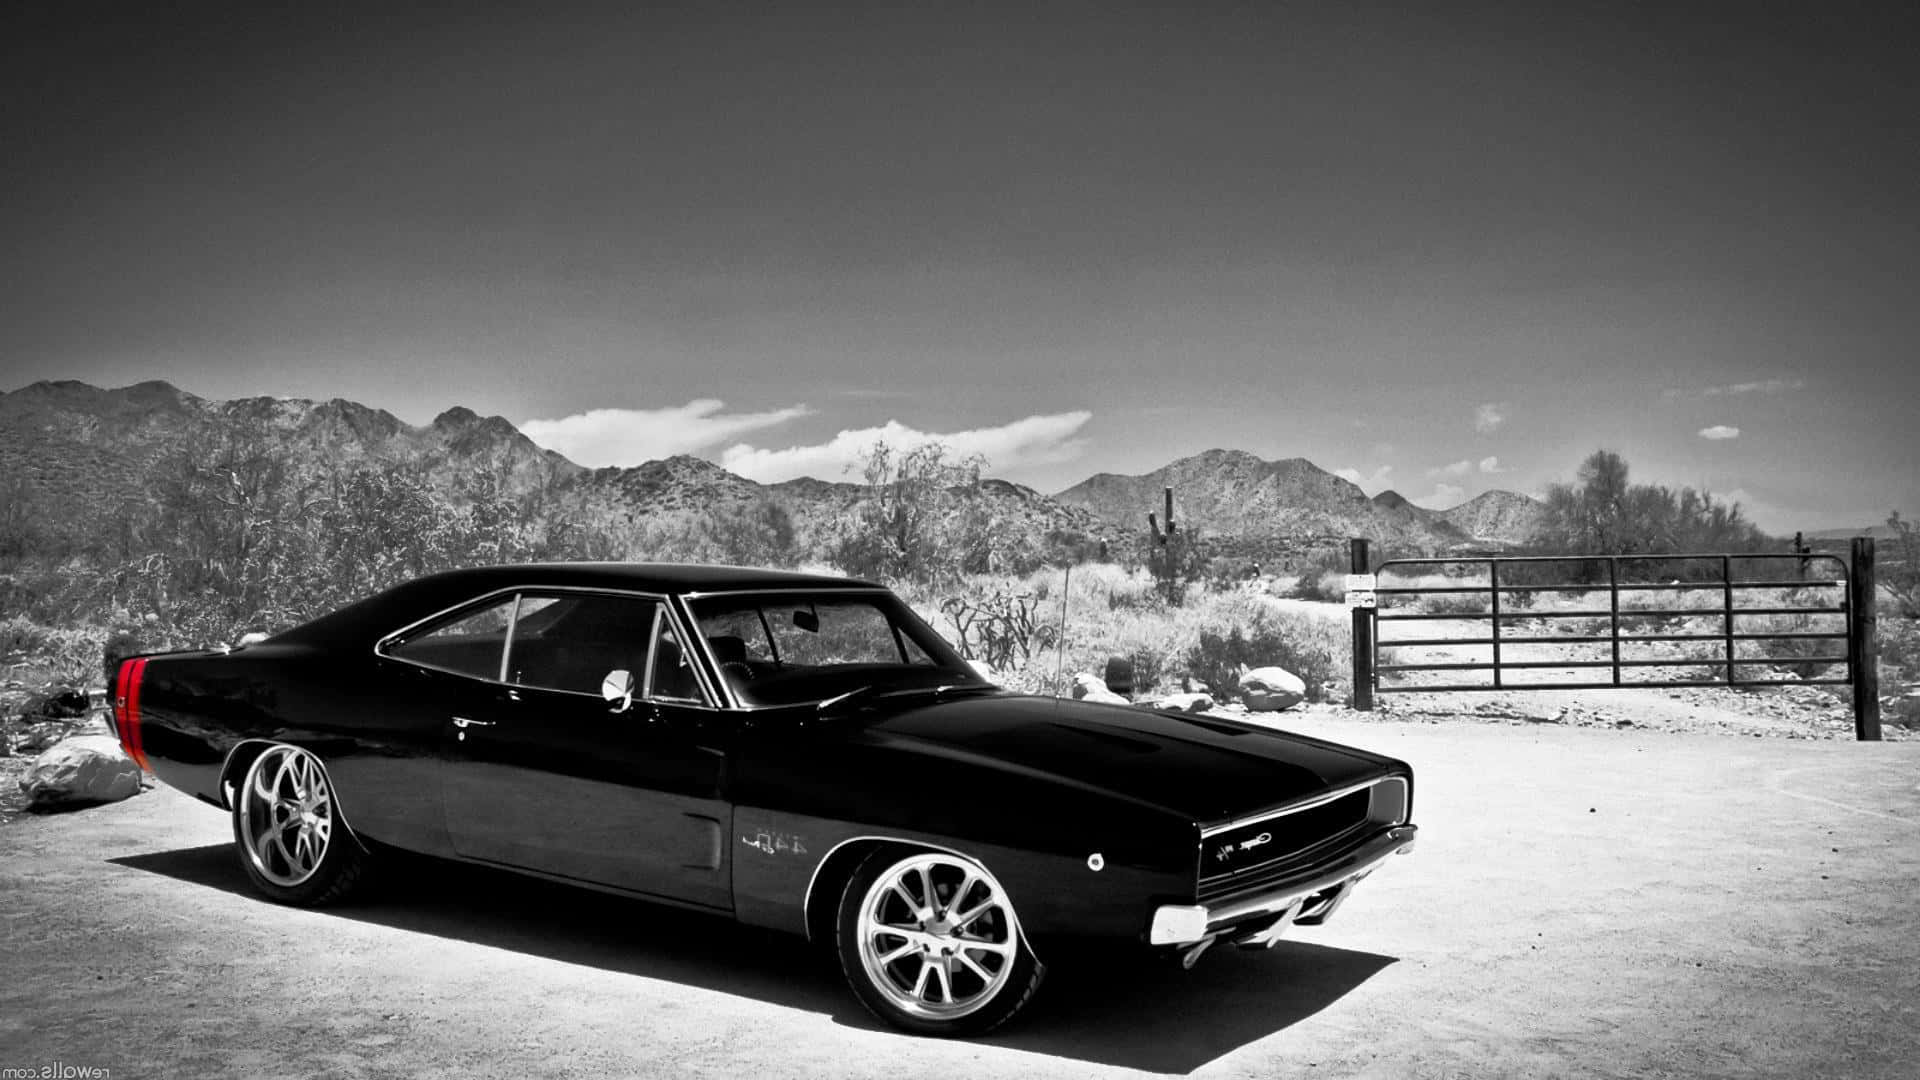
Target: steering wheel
743,672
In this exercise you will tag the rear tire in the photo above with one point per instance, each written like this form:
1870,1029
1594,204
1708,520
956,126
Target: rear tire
930,943
288,833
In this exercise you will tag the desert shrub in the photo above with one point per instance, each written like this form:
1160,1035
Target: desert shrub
995,625
1473,603
1323,577
33,653
1795,655
1136,594
1310,648
1898,571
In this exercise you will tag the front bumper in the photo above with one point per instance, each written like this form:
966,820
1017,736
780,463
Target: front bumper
1258,921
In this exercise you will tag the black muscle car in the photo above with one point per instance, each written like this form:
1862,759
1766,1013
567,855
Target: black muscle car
799,751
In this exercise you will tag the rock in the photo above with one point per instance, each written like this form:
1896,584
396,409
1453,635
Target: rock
1089,687
1194,703
1271,689
55,703
40,736
80,771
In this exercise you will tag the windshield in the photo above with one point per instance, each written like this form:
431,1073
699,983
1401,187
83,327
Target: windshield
787,648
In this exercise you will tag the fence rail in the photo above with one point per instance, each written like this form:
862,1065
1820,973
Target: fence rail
1509,603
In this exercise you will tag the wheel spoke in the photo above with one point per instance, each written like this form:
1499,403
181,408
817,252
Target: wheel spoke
967,918
998,948
920,983
926,892
262,788
912,905
280,845
959,894
263,843
945,981
889,957
284,773
983,974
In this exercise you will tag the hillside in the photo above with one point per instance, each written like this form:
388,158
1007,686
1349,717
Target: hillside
72,440
1267,508
90,450
1500,517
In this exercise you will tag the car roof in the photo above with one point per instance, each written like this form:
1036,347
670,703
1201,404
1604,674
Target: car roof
648,577
388,610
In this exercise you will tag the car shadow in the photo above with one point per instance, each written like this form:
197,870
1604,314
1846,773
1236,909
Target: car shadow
1108,1007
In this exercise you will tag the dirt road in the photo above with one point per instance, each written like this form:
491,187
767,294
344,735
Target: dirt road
1584,902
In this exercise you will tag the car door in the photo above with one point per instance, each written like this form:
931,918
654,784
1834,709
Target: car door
550,776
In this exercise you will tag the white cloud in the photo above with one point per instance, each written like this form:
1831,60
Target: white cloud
1489,416
1719,431
1373,483
1762,386
1491,465
1444,497
1033,440
1457,468
601,437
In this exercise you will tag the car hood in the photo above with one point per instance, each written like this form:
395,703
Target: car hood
1202,768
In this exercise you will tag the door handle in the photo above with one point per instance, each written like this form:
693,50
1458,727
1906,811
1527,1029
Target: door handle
463,724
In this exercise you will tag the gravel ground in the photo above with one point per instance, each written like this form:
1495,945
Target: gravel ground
1584,901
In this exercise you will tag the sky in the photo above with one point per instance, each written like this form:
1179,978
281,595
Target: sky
1441,249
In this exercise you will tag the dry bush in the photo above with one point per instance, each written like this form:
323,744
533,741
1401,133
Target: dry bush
1164,642
34,654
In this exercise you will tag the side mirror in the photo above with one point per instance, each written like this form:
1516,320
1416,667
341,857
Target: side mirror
807,620
617,689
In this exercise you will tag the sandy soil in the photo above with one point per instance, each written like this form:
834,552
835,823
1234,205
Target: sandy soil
1619,902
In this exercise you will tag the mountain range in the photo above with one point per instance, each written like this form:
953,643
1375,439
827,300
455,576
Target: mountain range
71,439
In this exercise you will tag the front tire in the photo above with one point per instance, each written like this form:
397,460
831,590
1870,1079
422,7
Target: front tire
287,829
930,943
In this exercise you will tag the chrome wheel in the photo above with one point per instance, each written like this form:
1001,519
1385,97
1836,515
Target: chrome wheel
937,937
286,815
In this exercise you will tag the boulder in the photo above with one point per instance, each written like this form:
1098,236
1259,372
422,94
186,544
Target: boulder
80,771
1090,687
1194,703
55,703
1271,689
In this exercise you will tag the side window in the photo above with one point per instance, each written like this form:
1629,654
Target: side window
571,641
469,643
672,678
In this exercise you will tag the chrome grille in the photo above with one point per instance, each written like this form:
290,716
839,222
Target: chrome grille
1254,852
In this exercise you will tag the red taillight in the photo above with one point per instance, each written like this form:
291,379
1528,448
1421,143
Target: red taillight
126,710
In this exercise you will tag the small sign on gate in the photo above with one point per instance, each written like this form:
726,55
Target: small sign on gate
1360,590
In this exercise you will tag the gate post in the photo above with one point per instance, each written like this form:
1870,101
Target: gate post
1863,652
1362,635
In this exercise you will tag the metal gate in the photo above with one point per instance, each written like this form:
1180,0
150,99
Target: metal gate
1602,622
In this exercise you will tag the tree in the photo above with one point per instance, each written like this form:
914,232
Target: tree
920,518
1604,514
1901,573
